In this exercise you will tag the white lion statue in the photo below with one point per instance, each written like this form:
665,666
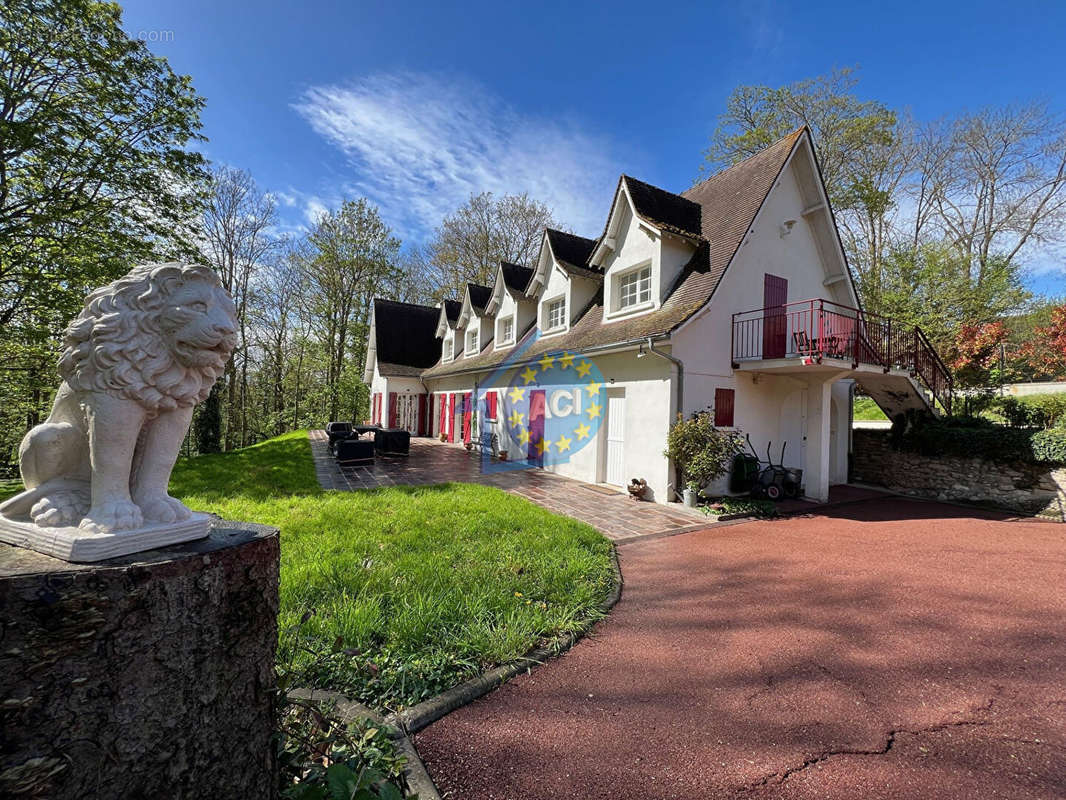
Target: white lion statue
142,353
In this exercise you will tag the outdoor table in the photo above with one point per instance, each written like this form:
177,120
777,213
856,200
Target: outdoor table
395,441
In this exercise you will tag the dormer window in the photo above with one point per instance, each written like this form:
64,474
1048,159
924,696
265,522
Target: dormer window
447,349
634,288
555,314
505,330
471,343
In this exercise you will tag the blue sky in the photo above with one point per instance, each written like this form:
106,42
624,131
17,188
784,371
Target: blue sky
416,105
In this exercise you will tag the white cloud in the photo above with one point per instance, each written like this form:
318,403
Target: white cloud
421,145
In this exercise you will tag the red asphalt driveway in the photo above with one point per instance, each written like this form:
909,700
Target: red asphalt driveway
891,649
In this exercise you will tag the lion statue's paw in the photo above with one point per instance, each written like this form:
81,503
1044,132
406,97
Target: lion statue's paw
164,509
60,509
115,515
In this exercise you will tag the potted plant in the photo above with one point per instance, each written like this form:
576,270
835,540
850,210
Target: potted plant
700,451
444,437
503,455
691,494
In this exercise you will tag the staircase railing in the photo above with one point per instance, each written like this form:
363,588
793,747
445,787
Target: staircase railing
819,329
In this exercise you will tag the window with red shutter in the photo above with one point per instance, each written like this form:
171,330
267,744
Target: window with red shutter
492,405
723,408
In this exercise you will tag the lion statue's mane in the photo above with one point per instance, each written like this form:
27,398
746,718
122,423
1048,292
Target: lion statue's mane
115,344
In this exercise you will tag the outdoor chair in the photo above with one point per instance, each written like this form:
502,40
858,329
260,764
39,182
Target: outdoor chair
354,452
802,342
392,441
337,432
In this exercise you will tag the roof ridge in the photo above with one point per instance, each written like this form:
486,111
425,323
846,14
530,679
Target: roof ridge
724,170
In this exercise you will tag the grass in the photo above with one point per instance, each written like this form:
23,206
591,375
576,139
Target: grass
9,488
395,594
866,409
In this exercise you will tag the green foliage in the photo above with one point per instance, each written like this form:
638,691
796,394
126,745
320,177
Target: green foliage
403,592
975,437
207,422
701,451
748,506
94,170
866,409
1032,411
320,757
935,288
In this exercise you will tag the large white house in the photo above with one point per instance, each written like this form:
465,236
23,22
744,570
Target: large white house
732,296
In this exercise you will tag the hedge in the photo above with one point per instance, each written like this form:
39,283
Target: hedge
1033,411
978,438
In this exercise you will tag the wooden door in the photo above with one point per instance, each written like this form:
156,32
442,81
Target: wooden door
774,327
616,424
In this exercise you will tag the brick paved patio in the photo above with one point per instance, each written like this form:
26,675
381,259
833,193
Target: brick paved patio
612,513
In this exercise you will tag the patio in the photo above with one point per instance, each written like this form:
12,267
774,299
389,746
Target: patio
608,510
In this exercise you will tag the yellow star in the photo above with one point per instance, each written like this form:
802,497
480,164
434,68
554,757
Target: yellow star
542,445
593,388
566,360
516,394
583,369
523,436
529,375
546,362
594,410
582,431
516,419
563,444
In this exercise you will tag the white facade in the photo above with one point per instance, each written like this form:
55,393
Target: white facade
603,302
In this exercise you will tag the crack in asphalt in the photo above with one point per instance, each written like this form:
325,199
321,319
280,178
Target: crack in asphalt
890,740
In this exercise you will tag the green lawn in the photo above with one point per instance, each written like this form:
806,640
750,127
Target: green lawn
403,591
866,409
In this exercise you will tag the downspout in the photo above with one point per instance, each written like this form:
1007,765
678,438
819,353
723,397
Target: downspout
680,398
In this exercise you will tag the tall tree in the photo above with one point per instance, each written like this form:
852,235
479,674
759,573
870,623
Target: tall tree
94,166
471,242
998,182
351,256
236,239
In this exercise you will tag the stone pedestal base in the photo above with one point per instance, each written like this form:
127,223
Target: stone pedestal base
74,544
149,675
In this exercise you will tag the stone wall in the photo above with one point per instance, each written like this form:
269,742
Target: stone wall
1029,488
145,676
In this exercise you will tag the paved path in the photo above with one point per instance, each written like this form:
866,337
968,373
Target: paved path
614,514
889,649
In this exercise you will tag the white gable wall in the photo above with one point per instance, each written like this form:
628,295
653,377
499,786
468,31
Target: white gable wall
766,407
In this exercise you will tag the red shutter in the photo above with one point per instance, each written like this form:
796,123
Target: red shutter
723,408
422,415
536,425
451,417
374,408
392,409
442,400
466,417
492,405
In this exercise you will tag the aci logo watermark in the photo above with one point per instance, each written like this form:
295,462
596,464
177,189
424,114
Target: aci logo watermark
547,409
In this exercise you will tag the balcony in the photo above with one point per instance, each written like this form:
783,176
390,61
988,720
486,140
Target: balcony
821,332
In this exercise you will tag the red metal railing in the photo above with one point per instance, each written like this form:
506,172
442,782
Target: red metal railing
820,329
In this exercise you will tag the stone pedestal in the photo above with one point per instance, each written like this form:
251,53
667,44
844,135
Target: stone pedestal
145,676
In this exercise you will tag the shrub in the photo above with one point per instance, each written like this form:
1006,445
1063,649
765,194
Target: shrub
1033,411
701,451
975,437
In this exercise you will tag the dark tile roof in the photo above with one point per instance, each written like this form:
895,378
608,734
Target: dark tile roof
452,309
479,296
731,199
515,277
405,336
573,251
728,204
664,209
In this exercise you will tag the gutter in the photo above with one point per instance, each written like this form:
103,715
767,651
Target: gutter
680,398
